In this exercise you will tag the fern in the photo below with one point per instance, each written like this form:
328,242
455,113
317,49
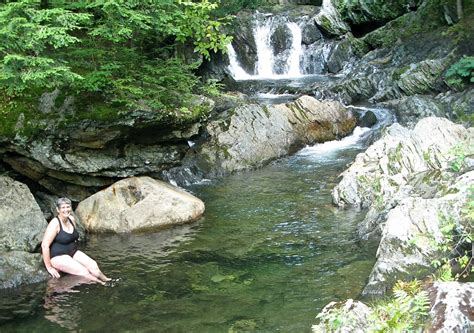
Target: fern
461,73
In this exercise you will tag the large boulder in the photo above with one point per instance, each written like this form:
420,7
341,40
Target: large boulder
451,307
409,110
251,135
19,267
138,203
378,173
411,233
329,20
405,181
362,11
22,223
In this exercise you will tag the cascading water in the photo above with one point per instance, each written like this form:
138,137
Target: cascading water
265,57
281,54
269,65
237,72
295,55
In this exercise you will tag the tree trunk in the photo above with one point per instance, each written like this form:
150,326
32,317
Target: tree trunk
459,9
44,4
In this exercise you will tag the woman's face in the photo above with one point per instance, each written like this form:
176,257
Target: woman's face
64,210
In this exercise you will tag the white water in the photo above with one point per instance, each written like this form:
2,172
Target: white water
265,65
335,145
265,58
237,72
296,50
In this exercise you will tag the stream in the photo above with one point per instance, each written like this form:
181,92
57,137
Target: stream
269,253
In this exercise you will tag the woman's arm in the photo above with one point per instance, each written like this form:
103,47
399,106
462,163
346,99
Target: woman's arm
49,235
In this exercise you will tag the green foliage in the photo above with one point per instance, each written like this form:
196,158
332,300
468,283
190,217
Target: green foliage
212,88
195,21
458,152
406,312
28,35
461,73
455,245
119,52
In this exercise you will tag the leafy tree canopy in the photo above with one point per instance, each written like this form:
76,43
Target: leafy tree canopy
124,51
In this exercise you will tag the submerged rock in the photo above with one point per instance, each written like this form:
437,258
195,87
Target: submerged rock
138,203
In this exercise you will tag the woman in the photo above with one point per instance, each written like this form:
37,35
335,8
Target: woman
60,253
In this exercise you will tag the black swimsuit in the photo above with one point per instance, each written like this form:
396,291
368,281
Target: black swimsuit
64,242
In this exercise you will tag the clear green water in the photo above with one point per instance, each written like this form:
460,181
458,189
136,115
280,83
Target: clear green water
269,253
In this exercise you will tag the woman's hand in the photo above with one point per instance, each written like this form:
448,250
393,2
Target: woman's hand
53,271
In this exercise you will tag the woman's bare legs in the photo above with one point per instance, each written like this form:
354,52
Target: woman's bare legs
90,264
67,264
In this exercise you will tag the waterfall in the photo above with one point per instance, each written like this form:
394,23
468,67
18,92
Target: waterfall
265,57
269,65
296,50
235,69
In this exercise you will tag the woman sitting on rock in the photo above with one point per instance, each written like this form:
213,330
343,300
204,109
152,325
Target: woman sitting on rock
60,253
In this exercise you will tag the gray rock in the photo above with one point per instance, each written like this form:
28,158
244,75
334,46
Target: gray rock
451,307
19,267
424,77
458,106
361,11
330,21
385,166
339,56
407,247
409,110
22,223
252,135
367,119
310,33
353,314
138,203
281,39
244,42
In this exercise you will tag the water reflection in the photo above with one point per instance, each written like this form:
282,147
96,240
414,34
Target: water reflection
58,308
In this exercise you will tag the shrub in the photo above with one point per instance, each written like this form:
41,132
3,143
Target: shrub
461,73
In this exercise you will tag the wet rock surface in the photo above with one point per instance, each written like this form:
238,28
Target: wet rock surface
252,135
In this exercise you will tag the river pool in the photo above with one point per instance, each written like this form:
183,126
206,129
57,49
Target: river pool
269,253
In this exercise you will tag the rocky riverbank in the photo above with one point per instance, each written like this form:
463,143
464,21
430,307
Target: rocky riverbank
415,184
